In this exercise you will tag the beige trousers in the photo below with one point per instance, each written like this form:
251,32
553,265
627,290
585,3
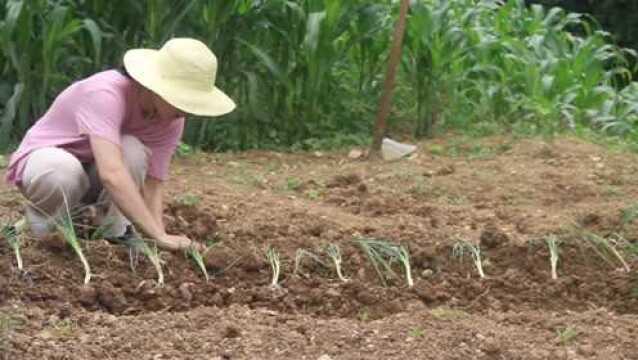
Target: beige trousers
52,175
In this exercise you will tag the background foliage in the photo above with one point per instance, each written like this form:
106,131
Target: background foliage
614,15
307,73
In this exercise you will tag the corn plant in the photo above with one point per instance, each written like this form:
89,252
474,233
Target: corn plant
461,247
13,235
436,50
198,259
35,38
273,258
383,254
607,248
334,253
553,244
311,69
301,254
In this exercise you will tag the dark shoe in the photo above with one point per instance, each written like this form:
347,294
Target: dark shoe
129,236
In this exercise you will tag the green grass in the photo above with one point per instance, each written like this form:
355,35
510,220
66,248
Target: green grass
9,322
567,335
188,199
293,184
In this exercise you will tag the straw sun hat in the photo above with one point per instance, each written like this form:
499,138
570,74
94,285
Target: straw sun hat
183,73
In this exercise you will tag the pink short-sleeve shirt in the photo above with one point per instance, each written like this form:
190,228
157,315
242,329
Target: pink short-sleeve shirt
103,105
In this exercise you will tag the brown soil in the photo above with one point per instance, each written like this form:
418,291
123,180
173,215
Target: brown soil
506,196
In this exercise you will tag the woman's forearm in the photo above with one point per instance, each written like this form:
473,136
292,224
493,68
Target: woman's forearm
128,199
153,196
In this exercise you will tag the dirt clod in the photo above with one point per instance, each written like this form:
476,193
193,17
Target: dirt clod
231,332
492,237
111,298
344,181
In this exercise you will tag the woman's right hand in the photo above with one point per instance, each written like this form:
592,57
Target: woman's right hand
178,242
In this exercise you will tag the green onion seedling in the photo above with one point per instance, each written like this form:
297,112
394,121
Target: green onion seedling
372,248
383,254
608,247
404,257
198,259
139,245
13,234
66,229
463,246
614,243
334,252
553,244
101,231
273,258
301,254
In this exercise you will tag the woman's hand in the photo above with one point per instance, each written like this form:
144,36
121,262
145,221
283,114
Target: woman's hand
178,242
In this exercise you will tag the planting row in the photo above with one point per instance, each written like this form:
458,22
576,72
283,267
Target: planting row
390,261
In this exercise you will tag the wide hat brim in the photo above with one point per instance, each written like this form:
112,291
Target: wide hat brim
142,65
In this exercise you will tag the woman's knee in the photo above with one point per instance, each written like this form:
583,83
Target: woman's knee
52,175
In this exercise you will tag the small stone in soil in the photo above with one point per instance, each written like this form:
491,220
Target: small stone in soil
185,292
492,237
88,295
231,332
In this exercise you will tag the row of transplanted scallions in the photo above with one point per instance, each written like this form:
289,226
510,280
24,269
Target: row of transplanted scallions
65,227
383,255
307,72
